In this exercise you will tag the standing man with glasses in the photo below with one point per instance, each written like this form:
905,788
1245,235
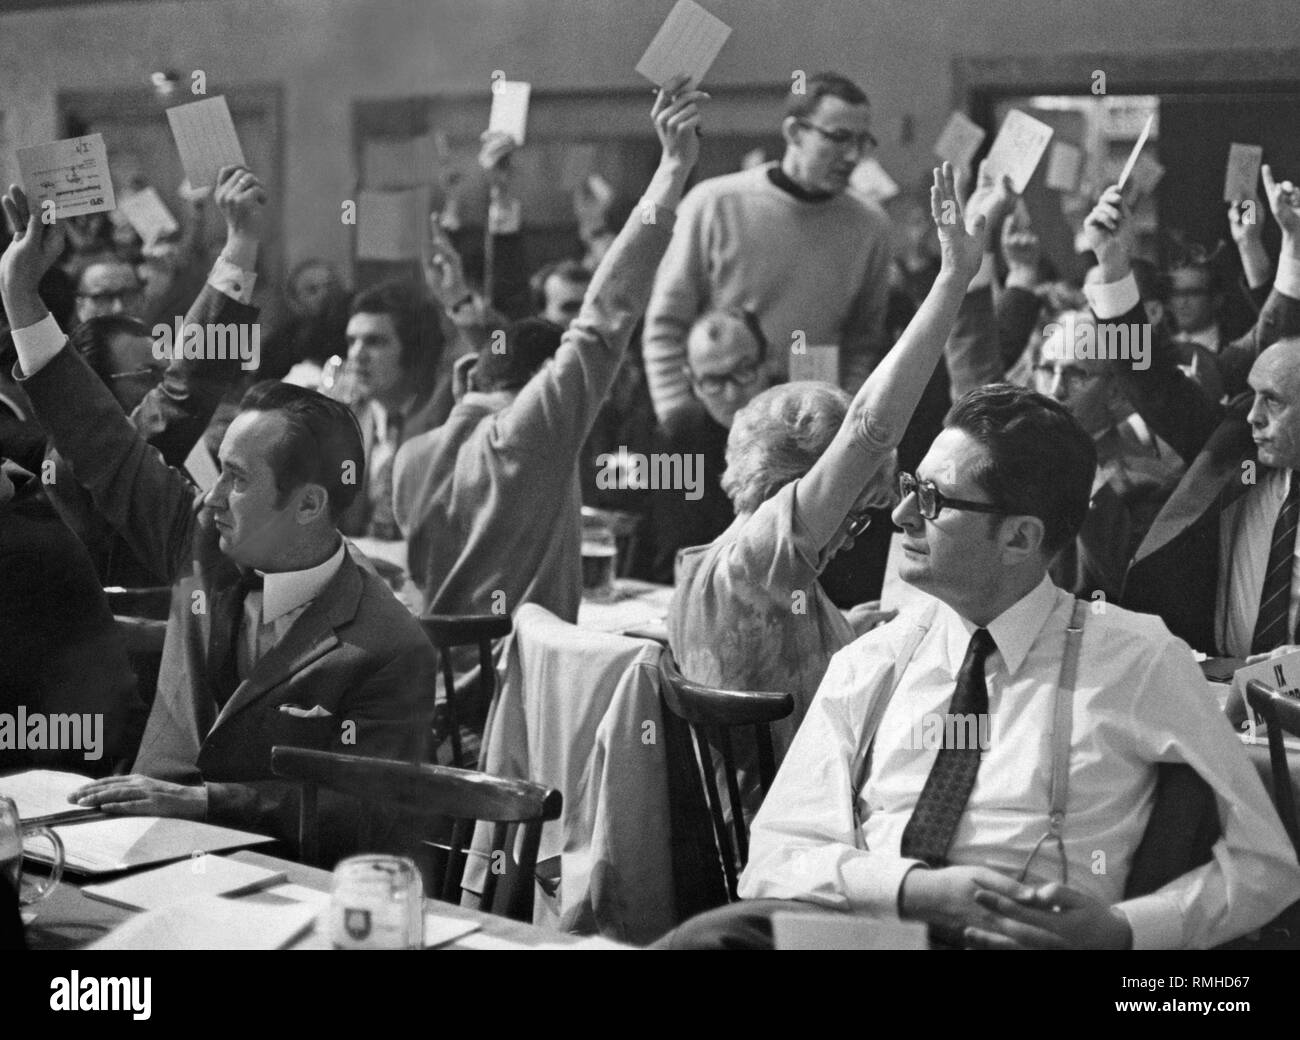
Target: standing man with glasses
785,241
1025,837
108,285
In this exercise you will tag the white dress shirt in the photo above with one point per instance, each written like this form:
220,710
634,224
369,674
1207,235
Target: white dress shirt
1110,300
270,610
1140,699
1245,539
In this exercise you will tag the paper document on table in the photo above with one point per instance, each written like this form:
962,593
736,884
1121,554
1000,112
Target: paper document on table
149,215
439,929
178,882
1244,161
108,844
73,174
960,140
205,136
212,923
687,43
1018,148
42,794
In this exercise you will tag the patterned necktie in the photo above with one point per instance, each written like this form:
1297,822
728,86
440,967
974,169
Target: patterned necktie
383,522
1271,629
947,789
226,671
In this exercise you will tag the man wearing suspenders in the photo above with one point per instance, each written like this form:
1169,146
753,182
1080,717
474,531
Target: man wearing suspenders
986,763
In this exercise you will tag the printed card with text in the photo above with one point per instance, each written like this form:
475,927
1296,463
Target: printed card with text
1064,167
688,42
1244,161
821,364
510,108
73,174
1019,147
960,140
149,215
205,136
1282,674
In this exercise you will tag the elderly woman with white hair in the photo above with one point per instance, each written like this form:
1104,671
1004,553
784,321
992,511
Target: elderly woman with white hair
804,462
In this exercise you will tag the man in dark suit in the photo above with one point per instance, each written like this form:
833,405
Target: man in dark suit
322,656
1218,563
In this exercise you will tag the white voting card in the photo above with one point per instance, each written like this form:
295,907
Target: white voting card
1064,166
960,140
1018,148
870,179
687,43
73,174
205,135
1244,161
510,108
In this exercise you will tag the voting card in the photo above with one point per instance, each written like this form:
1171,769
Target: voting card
1244,161
1064,167
510,108
960,140
1137,150
149,215
1018,149
821,364
73,174
870,179
205,136
687,43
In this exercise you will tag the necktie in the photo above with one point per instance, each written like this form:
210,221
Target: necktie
1271,629
225,673
947,789
383,524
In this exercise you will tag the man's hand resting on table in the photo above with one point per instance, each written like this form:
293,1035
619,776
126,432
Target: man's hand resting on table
136,795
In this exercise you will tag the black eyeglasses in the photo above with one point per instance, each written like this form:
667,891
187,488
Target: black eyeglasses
864,141
741,378
930,500
858,522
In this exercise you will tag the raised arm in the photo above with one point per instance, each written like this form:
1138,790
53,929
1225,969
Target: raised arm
880,411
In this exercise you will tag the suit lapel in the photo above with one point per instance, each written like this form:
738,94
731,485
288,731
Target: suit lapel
310,637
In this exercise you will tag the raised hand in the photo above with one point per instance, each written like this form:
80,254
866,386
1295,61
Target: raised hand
676,116
444,273
495,148
1284,201
1244,222
241,197
33,250
1106,232
1054,917
961,250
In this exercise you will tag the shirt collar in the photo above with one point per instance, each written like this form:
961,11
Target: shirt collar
1014,630
285,591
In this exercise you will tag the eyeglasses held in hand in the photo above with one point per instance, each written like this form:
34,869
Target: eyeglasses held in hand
864,142
858,522
741,378
930,500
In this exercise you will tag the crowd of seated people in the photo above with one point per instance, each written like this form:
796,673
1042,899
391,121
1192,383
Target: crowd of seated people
1071,525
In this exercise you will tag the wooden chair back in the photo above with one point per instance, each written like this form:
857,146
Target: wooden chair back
1281,715
449,631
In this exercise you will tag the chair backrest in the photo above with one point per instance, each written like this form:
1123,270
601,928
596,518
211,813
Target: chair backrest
449,631
712,715
1281,715
427,793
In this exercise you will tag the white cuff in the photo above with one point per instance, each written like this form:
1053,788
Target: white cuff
1156,921
874,884
984,276
1112,299
1287,281
232,280
37,344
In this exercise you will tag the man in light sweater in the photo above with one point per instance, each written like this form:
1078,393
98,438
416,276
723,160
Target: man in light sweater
786,241
489,501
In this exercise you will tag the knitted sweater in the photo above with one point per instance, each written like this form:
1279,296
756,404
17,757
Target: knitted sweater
820,268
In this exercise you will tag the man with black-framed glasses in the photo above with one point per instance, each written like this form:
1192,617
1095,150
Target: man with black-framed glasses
786,241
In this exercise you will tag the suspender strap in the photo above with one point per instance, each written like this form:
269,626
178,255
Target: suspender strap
1064,719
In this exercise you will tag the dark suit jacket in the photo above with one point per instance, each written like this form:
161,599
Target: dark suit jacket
355,651
1175,572
172,417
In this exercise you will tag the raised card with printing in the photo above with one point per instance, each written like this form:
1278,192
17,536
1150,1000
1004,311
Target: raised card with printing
1019,147
1244,161
820,364
149,215
960,140
510,108
870,179
205,136
73,174
687,43
1064,167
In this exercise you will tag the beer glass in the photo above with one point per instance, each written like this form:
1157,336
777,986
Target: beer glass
13,832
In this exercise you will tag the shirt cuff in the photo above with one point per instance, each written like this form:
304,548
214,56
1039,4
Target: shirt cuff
37,344
1111,299
232,280
1287,281
874,884
1156,921
984,276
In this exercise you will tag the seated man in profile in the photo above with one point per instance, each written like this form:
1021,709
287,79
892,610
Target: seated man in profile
870,815
276,636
